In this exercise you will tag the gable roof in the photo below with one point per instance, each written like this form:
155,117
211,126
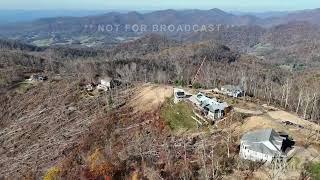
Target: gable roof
106,79
258,135
265,141
261,135
211,104
201,97
262,148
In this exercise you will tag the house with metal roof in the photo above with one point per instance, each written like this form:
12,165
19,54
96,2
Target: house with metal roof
211,106
231,90
263,145
201,98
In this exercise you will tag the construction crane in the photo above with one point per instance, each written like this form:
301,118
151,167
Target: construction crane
198,72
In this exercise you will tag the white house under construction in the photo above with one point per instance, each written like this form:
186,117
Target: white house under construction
263,145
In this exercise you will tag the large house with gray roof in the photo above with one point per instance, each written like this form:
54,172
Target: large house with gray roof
263,145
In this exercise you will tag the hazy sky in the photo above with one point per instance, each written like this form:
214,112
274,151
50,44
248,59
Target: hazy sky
244,5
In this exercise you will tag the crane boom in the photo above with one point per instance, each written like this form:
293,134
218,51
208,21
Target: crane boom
198,71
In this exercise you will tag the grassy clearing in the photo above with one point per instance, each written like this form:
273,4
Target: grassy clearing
43,42
23,87
262,49
178,116
295,163
314,170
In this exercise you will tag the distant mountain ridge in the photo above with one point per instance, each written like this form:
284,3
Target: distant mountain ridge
65,24
87,30
20,16
311,16
262,15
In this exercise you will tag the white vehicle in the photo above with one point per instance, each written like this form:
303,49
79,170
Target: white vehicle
179,95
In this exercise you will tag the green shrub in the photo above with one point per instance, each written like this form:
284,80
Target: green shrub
52,174
197,85
180,83
110,100
234,101
24,87
314,170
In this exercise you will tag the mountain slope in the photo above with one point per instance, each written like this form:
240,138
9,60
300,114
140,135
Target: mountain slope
312,16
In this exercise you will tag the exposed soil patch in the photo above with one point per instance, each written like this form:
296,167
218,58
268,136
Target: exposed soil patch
149,97
285,116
